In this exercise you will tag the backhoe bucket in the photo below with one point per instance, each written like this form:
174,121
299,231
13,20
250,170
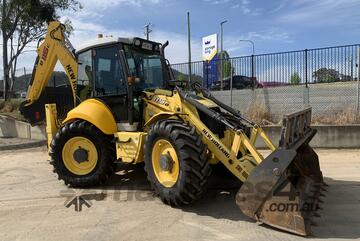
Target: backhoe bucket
284,190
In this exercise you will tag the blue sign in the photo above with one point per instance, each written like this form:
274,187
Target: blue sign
210,71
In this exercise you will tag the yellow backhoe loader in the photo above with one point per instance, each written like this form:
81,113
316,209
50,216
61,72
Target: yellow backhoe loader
122,104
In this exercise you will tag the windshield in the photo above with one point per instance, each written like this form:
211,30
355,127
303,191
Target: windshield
145,65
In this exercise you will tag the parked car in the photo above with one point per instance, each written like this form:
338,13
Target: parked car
238,82
273,84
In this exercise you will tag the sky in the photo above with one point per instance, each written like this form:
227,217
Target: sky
274,26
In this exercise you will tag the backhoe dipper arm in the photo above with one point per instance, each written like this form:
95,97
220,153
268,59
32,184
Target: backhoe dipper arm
55,47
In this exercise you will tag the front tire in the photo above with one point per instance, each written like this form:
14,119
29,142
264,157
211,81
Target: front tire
176,162
82,156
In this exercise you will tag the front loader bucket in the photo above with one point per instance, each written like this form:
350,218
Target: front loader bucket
284,190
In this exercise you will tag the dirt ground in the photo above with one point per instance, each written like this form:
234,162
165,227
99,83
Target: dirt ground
32,206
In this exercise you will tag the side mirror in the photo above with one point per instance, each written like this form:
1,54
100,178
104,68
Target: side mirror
133,80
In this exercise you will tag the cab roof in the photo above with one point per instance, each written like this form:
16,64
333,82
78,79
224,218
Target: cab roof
103,41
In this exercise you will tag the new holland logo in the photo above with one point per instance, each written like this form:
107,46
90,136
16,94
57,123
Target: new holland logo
72,75
217,144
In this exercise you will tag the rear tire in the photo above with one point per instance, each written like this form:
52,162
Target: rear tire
99,149
193,167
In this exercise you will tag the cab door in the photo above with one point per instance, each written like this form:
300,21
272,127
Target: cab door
110,83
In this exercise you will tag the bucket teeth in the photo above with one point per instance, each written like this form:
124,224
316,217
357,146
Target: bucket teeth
315,196
325,184
316,215
315,191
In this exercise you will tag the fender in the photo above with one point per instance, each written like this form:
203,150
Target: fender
95,112
160,116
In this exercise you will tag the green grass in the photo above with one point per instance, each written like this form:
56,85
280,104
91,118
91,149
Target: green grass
15,103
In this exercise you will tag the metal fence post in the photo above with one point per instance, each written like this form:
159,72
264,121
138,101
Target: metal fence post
306,95
306,67
231,85
206,74
358,85
253,71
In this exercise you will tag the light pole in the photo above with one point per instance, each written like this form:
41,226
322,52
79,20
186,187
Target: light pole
252,59
189,47
221,35
221,52
252,43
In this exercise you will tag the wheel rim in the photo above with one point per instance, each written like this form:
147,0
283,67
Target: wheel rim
165,163
79,155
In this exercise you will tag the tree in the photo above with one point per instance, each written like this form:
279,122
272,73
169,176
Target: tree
225,64
325,75
295,79
179,76
345,77
23,22
182,77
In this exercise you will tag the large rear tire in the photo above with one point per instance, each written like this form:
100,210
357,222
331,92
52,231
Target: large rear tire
82,156
176,162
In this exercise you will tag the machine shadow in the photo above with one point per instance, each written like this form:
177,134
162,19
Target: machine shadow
340,214
340,217
219,200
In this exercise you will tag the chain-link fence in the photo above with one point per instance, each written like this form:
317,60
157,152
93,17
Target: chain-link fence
20,83
23,78
268,85
327,79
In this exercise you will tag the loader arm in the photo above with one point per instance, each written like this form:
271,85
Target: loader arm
289,177
240,167
55,47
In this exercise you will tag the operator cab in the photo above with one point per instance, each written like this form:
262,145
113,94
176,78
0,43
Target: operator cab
117,71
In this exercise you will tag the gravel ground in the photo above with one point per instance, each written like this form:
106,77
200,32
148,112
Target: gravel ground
32,205
19,143
11,141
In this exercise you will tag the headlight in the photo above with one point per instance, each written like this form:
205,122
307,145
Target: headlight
137,42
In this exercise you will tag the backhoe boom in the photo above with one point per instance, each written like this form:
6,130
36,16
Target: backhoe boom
55,47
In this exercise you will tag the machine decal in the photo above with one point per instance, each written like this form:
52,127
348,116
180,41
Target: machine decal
160,101
72,75
44,54
217,144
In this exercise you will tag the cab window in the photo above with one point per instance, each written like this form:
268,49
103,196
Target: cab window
147,66
85,80
109,75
